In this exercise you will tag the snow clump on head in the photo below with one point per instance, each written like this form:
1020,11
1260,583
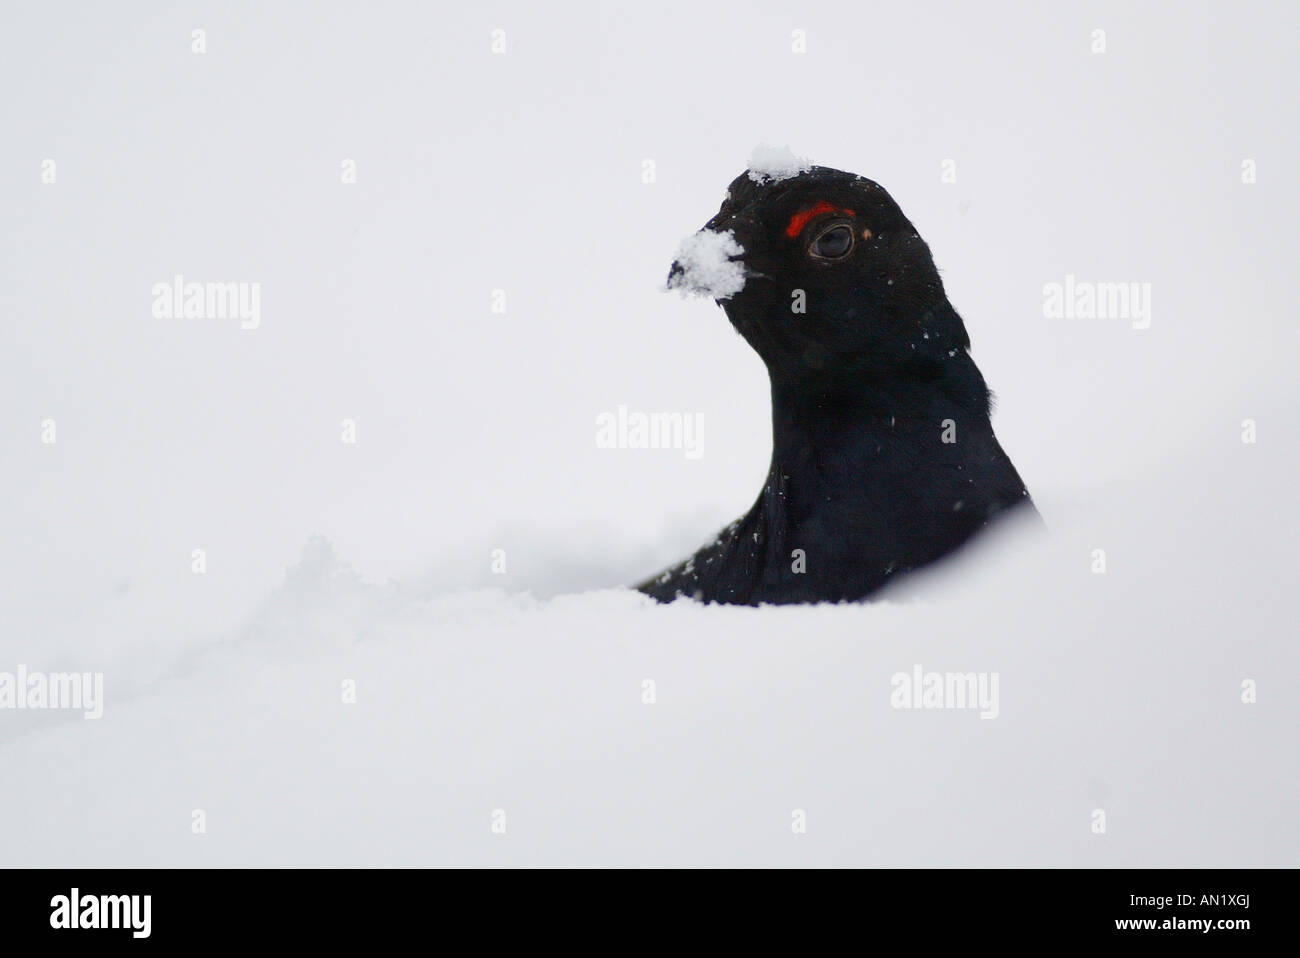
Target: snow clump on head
772,164
704,266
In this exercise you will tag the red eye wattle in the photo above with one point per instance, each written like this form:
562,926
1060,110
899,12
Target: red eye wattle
802,218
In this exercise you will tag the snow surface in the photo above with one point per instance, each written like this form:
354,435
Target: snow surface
707,268
772,164
1118,691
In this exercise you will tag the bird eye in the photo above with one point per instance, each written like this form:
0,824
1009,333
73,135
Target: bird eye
833,243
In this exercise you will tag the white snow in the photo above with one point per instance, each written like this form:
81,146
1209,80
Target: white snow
1118,691
707,267
771,164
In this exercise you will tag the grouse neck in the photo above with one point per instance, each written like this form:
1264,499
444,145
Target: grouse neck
829,419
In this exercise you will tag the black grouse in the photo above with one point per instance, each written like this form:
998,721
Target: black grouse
883,459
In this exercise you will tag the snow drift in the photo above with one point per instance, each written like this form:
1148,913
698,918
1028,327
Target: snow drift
1120,691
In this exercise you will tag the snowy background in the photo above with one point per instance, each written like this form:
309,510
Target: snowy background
525,171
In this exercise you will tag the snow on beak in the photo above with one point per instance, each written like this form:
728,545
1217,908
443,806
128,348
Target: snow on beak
708,264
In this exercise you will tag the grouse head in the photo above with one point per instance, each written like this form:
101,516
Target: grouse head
825,277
